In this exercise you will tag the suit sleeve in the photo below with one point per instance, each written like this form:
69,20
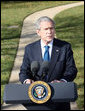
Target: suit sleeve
70,70
25,72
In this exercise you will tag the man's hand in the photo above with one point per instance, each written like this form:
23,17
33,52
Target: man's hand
56,81
29,81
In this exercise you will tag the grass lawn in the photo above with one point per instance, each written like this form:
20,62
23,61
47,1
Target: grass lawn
13,14
70,27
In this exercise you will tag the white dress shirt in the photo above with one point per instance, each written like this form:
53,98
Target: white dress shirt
43,48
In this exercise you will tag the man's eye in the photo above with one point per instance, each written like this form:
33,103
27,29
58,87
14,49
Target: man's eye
51,28
46,28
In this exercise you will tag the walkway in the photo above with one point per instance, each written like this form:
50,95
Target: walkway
28,35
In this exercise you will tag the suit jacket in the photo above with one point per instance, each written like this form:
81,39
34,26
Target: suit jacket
62,65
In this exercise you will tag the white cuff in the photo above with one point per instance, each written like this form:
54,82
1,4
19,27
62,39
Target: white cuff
25,81
63,80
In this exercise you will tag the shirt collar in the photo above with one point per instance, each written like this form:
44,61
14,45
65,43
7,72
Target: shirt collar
50,44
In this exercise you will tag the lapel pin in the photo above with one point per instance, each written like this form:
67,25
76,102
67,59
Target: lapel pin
57,50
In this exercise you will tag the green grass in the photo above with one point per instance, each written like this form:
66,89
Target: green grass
70,27
13,13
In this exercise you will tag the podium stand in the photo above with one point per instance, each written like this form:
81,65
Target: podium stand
60,92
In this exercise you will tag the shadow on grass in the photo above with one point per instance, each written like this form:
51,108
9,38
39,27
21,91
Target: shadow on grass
71,29
9,34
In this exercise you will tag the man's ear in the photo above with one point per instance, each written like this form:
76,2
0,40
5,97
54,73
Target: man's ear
38,32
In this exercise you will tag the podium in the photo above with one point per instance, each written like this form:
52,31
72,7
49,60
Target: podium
60,92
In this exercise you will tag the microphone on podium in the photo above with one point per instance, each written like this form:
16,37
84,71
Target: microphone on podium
35,66
39,72
44,69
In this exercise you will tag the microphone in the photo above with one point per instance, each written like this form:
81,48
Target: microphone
35,67
44,69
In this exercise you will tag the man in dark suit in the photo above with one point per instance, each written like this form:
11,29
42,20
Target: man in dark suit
62,65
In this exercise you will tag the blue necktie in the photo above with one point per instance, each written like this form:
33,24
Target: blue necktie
46,54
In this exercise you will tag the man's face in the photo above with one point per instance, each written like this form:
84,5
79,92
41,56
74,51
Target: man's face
46,31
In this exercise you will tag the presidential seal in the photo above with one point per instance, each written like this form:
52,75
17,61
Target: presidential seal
39,92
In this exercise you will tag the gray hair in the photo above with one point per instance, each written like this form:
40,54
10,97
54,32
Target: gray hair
41,19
